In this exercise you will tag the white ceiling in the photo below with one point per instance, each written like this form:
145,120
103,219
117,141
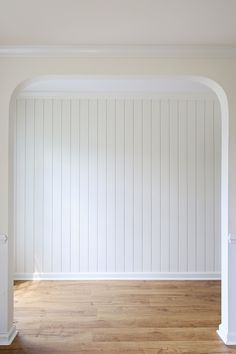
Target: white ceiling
116,85
117,22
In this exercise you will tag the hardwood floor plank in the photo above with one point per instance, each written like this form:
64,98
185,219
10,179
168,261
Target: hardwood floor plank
111,317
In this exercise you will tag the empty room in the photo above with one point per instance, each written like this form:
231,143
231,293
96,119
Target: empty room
117,183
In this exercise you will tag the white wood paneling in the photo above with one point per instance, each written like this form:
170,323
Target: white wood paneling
117,185
47,235
102,190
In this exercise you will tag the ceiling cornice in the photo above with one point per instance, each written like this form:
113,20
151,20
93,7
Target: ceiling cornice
114,51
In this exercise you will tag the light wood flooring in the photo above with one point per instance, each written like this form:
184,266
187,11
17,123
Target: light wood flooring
117,317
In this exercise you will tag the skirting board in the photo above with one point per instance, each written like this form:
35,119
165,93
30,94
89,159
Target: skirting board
7,339
117,276
227,338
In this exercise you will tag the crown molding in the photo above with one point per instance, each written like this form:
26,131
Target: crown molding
120,51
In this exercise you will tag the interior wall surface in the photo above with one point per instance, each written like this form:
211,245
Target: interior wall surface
119,184
218,73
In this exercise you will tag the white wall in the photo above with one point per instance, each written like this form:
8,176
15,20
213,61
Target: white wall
117,185
215,72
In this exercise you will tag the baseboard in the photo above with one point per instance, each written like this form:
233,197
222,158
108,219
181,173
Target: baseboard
117,276
7,339
227,337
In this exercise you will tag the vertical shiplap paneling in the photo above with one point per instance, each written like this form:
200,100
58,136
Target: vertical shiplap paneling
165,186
20,185
117,185
200,187
93,186
138,186
29,185
57,186
217,183
48,186
120,185
192,190
66,185
75,183
129,190
147,186
156,185
183,187
209,186
84,185
102,189
38,187
174,185
111,185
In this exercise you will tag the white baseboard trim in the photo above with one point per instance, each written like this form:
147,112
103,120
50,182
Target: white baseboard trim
117,276
7,338
227,337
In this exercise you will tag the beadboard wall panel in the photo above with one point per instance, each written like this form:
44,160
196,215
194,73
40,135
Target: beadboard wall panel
117,185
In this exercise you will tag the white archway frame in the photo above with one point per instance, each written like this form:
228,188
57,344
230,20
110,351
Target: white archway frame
228,336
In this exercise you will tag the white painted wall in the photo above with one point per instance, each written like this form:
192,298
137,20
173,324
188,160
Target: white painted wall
215,72
117,185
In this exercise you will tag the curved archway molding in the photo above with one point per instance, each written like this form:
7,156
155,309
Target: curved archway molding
227,329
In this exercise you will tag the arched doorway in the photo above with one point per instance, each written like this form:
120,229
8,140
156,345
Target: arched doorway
224,174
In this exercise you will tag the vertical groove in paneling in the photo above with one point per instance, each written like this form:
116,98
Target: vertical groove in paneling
204,197
110,151
106,185
15,174
38,185
217,192
97,188
117,185
102,186
187,186
169,195
174,187
47,190
93,186
20,186
151,191
214,184
146,186
160,137
66,185
75,168
133,191
84,185
182,187
34,260
128,185
137,188
156,187
209,182
142,187
115,243
195,191
165,195
191,162
200,187
88,255
120,185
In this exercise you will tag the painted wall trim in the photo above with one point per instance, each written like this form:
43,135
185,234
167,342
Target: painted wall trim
228,338
118,276
161,51
7,339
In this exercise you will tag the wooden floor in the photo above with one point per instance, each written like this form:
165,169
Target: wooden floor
117,317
